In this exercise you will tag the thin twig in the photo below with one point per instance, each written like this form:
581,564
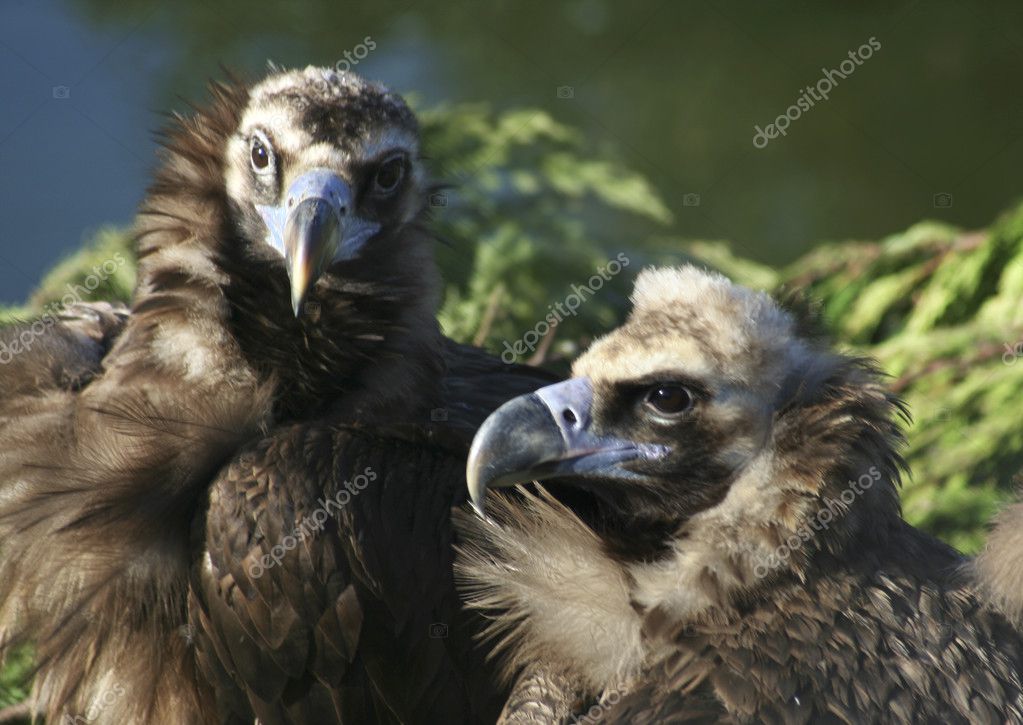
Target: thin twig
488,316
540,356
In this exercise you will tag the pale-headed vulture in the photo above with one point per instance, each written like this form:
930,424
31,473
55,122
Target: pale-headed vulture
717,535
284,316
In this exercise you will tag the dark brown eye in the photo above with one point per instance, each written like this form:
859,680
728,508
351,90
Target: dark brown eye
260,155
668,399
389,175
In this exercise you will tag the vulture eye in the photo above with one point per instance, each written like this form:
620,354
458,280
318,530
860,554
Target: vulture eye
260,154
389,174
669,400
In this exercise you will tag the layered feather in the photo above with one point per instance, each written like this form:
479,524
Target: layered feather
797,594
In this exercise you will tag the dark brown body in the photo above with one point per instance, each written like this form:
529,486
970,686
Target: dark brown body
130,490
894,634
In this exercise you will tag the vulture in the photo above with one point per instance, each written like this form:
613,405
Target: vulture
234,502
715,535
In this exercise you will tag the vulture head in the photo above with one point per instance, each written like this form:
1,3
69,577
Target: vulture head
707,447
323,170
296,209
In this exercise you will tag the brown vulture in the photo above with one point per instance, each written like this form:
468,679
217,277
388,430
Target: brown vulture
718,536
281,361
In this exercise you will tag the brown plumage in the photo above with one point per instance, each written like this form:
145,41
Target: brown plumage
116,545
57,354
720,536
325,590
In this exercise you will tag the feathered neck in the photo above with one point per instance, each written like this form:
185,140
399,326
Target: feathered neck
823,489
369,330
368,335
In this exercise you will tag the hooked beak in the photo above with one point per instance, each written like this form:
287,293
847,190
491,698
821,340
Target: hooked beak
314,229
547,434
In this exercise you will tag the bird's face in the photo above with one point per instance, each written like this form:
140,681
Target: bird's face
323,168
661,415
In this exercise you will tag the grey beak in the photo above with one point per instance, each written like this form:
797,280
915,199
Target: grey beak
543,435
312,238
314,228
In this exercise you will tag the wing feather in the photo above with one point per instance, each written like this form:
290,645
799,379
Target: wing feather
328,569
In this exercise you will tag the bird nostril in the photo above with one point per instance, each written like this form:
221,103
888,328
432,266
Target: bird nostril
569,416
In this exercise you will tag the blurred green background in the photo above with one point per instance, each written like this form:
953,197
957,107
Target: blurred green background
675,86
940,307
579,131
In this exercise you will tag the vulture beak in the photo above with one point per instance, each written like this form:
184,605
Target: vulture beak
315,228
547,434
